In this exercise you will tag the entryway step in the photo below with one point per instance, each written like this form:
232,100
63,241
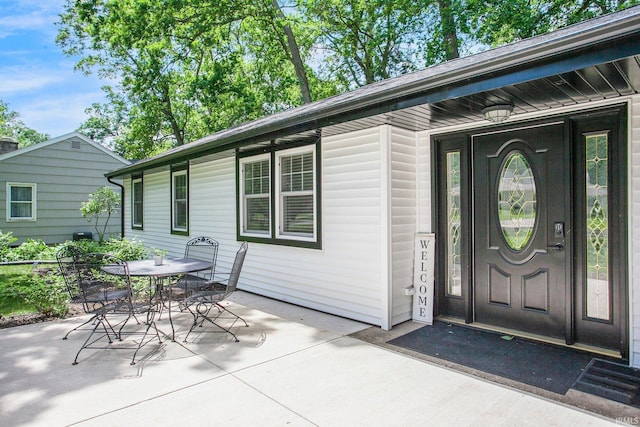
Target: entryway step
612,381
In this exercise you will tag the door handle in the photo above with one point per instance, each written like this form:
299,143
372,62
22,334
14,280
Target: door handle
556,246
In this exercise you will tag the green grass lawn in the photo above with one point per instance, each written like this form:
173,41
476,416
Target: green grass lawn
13,305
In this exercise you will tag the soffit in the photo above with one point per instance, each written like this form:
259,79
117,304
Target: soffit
595,83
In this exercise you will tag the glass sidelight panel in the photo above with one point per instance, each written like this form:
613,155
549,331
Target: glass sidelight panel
516,201
597,227
454,282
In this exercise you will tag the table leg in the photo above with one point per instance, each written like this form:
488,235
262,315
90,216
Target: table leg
173,330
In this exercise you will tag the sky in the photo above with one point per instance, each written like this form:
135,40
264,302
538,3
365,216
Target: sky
36,79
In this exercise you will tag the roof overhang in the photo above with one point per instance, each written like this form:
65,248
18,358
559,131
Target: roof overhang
600,54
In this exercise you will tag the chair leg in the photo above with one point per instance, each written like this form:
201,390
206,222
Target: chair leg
202,314
100,319
233,314
80,326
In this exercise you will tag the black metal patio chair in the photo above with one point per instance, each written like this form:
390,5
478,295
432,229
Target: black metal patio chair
206,305
118,271
203,248
99,296
86,288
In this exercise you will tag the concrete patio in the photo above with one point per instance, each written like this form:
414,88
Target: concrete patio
292,366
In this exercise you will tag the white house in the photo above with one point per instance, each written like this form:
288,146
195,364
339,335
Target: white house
535,217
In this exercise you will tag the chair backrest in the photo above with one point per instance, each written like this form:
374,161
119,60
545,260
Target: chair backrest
67,256
206,249
234,275
97,287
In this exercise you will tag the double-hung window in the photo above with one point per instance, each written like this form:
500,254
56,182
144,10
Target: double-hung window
296,190
256,201
21,202
137,203
180,200
278,197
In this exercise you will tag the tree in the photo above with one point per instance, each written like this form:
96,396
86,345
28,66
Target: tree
104,201
13,127
497,22
186,68
367,40
183,69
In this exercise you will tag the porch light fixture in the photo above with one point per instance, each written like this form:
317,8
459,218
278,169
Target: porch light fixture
497,113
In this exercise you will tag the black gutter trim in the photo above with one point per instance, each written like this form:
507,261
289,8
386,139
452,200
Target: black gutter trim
122,227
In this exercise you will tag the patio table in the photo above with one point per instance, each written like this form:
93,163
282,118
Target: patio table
170,267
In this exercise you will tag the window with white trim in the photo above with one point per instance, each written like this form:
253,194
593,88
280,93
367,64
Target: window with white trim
256,201
21,201
137,203
180,201
278,200
296,191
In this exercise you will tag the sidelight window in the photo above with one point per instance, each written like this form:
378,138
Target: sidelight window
454,280
597,226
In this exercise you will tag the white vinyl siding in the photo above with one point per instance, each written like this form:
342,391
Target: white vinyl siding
403,220
424,182
347,277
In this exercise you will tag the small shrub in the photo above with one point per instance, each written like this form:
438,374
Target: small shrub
127,250
48,295
33,250
89,246
104,201
6,239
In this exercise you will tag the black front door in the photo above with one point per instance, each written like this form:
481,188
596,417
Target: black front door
521,217
532,228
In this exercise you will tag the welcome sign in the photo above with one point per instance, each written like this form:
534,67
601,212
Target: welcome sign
424,277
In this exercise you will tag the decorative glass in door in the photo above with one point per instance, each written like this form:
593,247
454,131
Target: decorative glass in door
454,280
597,227
516,201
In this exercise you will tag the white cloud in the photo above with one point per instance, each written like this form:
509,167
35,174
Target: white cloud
16,81
28,15
57,115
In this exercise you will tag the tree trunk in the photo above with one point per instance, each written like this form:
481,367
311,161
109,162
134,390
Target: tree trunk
168,111
449,31
294,53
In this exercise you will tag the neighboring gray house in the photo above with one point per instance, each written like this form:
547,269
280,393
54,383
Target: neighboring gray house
332,194
44,185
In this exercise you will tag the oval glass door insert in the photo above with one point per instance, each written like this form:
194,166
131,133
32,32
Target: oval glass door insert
516,201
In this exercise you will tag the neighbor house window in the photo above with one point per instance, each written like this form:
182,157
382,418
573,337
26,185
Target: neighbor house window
21,202
180,200
136,203
278,197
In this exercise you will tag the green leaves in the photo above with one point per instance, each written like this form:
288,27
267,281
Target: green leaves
178,70
104,201
11,126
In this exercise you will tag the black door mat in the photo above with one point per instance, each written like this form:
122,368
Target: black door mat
550,367
612,381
